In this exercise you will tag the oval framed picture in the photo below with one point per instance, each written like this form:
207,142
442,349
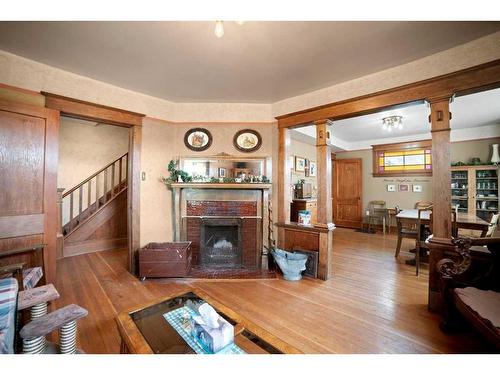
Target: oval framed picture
247,140
198,139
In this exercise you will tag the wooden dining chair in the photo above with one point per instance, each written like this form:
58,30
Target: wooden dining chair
422,234
378,212
403,232
422,204
493,225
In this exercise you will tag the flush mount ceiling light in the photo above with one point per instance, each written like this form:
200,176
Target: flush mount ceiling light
219,28
392,122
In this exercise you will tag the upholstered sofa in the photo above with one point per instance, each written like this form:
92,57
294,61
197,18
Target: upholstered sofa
8,314
471,292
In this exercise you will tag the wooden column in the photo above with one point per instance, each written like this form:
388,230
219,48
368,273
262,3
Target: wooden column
441,193
324,199
441,172
324,173
133,195
284,189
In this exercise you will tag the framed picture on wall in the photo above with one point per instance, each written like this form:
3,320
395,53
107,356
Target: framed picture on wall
198,139
391,188
417,188
300,164
247,140
311,170
404,187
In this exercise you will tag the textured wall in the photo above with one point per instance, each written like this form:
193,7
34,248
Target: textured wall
85,148
374,188
161,142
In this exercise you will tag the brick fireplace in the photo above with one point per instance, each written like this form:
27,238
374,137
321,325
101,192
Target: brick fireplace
224,222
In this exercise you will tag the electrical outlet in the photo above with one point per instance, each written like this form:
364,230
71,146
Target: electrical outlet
143,176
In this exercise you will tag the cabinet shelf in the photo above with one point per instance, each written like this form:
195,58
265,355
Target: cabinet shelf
468,197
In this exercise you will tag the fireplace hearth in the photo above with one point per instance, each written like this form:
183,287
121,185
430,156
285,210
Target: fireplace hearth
220,243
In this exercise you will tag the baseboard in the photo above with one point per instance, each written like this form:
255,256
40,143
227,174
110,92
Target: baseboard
91,246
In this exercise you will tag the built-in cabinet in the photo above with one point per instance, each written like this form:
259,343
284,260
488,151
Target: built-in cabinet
475,189
303,204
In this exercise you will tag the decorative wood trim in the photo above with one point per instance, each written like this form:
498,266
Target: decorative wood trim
50,194
284,191
441,160
460,82
134,198
91,111
324,167
207,185
22,225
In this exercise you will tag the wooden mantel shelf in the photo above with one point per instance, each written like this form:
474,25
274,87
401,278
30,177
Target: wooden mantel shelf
209,185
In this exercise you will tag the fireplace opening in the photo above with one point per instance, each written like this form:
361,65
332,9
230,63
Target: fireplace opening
220,243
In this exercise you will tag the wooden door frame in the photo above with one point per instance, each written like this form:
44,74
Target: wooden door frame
361,183
133,121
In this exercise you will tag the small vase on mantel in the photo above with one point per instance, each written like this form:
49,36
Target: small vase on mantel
495,158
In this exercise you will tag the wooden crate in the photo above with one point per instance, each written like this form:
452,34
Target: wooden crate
167,259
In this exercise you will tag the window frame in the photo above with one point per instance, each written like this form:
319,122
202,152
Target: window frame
401,146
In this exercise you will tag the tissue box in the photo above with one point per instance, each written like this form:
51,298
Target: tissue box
213,339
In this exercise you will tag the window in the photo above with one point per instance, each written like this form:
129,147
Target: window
402,159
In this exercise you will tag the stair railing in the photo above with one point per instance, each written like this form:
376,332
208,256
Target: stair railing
93,192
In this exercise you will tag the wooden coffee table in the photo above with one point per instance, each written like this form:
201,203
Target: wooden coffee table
144,330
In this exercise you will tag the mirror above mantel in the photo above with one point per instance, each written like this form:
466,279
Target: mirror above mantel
225,165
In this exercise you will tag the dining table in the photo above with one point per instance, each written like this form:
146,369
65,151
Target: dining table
465,220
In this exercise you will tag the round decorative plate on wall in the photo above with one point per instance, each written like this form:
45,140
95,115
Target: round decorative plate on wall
247,140
198,139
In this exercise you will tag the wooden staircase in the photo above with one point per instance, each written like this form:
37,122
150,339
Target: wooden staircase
94,212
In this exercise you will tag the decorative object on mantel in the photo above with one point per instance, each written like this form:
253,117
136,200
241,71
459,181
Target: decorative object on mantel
198,139
222,172
495,158
300,164
175,174
291,264
247,140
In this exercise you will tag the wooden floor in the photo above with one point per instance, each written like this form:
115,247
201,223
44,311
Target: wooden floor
373,304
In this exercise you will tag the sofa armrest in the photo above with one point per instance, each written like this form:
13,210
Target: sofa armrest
52,321
31,297
449,268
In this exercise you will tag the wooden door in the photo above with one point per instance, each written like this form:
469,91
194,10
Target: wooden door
347,190
28,178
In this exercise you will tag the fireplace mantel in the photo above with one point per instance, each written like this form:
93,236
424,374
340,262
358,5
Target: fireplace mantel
218,185
220,199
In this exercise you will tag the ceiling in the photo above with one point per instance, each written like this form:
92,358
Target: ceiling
471,113
259,62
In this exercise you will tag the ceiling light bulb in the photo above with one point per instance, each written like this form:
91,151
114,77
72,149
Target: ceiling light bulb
384,126
219,29
389,129
400,125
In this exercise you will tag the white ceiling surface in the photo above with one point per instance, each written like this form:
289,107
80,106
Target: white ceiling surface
473,117
258,62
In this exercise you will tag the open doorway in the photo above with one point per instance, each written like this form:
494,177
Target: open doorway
92,182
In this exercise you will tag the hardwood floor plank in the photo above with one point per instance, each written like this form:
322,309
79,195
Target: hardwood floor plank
373,304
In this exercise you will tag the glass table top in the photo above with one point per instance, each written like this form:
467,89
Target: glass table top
164,339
